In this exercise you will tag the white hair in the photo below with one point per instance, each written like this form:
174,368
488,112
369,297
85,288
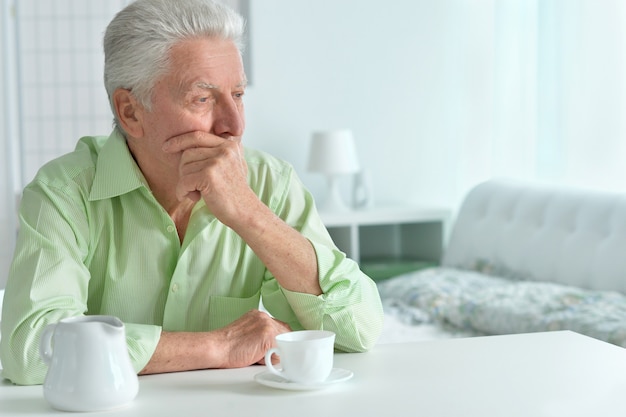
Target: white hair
138,40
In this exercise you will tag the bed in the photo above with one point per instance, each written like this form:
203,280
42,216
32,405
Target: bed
521,257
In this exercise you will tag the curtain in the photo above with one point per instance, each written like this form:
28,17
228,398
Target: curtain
559,91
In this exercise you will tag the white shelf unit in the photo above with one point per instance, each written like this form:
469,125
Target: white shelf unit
393,234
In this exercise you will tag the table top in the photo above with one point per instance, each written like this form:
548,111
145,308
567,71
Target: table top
528,375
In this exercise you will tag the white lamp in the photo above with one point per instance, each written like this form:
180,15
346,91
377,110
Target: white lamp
333,153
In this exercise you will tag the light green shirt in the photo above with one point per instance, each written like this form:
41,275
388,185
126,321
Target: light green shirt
94,240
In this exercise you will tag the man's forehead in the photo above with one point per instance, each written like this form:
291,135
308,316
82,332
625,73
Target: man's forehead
206,64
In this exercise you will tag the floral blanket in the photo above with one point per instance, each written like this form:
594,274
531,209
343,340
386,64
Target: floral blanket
474,303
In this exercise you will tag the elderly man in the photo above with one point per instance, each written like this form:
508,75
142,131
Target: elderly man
170,223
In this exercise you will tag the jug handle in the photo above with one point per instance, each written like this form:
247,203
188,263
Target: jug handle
45,345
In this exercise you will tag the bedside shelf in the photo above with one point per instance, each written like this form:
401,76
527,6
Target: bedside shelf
386,240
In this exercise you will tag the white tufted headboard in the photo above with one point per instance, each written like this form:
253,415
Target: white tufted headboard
544,233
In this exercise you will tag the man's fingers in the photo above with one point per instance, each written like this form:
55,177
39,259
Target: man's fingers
192,195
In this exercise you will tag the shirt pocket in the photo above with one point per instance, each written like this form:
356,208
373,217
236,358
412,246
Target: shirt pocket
225,310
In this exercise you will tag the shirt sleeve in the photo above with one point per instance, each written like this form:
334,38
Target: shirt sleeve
350,304
49,281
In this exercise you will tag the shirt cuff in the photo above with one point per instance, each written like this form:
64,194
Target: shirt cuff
349,305
142,340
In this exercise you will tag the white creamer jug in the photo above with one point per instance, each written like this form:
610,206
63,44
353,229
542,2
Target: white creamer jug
89,368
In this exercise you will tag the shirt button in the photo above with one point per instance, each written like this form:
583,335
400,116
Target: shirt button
174,287
171,229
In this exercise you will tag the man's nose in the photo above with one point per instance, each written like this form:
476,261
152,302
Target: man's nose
228,119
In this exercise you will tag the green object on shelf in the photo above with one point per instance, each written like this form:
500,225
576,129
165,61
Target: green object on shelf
380,269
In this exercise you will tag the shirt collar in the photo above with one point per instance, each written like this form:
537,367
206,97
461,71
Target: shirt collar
117,172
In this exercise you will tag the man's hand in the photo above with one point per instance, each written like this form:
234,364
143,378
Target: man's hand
241,343
249,337
212,168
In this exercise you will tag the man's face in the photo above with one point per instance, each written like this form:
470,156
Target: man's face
202,92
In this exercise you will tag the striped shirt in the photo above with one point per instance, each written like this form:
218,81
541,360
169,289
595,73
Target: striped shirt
94,240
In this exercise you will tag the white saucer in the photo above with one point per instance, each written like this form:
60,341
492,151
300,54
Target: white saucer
275,381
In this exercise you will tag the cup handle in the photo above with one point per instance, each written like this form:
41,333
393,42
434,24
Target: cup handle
270,365
45,344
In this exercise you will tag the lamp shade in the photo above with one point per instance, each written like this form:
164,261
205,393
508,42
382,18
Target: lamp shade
333,152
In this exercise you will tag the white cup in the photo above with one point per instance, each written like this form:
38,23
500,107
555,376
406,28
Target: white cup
306,356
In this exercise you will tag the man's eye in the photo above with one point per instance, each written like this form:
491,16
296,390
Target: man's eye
203,99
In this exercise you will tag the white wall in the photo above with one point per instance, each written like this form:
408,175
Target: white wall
443,94
409,78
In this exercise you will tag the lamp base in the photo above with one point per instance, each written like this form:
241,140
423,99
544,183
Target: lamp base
332,202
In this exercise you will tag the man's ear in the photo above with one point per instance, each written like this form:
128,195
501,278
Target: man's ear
129,112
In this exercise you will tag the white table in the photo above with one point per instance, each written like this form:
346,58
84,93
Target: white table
532,375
